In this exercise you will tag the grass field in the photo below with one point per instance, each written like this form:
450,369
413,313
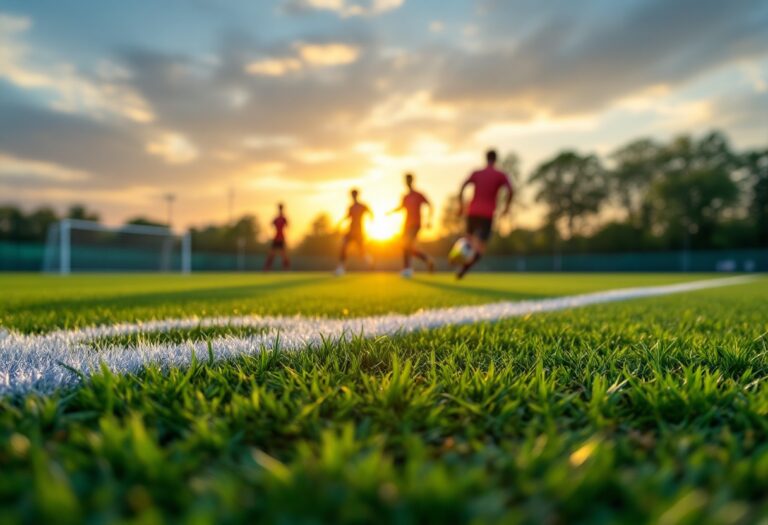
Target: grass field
652,410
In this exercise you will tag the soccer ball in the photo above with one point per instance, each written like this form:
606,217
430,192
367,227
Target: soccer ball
461,252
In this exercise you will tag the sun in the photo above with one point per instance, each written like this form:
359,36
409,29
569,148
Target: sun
383,227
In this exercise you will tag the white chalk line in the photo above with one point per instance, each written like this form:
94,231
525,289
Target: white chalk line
44,363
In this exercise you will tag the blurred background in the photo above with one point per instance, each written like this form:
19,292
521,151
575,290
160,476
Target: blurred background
636,132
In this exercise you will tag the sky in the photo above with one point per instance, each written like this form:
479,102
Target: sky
235,105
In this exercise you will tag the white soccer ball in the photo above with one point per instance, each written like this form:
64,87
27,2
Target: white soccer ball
461,252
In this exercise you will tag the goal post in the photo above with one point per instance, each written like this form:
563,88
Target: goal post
74,245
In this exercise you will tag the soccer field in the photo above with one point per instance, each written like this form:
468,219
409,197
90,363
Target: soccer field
641,410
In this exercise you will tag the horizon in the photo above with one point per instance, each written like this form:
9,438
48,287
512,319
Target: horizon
298,101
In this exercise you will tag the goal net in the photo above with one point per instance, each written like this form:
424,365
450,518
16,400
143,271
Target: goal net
85,246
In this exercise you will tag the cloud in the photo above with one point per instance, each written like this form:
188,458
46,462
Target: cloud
269,141
15,168
574,62
307,55
111,152
274,67
418,106
67,89
328,54
327,101
344,8
173,148
315,156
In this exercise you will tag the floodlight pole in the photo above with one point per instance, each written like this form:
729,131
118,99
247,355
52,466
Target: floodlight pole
186,253
65,255
169,198
231,205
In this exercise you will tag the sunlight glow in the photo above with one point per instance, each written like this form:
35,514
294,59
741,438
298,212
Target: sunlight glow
384,227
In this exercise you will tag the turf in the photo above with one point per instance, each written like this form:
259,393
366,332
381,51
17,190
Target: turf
31,303
652,410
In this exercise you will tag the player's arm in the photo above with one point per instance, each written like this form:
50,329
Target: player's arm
461,195
342,221
508,199
402,206
430,212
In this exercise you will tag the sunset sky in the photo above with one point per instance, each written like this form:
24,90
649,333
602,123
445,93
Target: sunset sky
114,103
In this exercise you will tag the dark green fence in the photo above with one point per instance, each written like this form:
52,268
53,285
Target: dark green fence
695,261
29,257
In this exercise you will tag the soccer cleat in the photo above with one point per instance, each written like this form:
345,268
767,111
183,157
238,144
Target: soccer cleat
339,271
407,273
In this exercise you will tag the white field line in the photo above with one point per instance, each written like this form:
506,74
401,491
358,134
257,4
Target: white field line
37,362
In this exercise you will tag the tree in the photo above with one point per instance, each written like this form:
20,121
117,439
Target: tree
572,186
510,164
696,187
450,221
245,233
321,225
39,222
11,222
229,238
143,221
755,164
80,212
636,168
322,239
15,225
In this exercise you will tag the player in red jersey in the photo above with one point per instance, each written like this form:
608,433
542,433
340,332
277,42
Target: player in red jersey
280,223
355,233
487,183
412,203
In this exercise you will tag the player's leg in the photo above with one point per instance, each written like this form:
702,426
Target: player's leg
407,250
286,260
364,252
270,260
340,269
426,259
478,233
414,250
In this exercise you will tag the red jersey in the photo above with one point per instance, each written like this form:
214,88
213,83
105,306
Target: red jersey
487,181
412,203
280,223
356,213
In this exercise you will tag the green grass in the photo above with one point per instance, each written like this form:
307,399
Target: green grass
653,410
31,303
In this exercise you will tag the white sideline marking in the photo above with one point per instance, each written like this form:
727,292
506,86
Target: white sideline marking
36,362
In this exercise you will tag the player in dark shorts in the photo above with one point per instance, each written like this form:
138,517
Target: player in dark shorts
412,203
355,234
280,223
487,183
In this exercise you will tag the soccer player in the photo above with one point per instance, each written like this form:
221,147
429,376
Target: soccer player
412,203
354,235
487,183
280,223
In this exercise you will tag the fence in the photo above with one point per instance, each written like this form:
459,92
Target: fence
29,257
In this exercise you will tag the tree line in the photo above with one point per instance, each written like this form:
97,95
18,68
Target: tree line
242,235
686,193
